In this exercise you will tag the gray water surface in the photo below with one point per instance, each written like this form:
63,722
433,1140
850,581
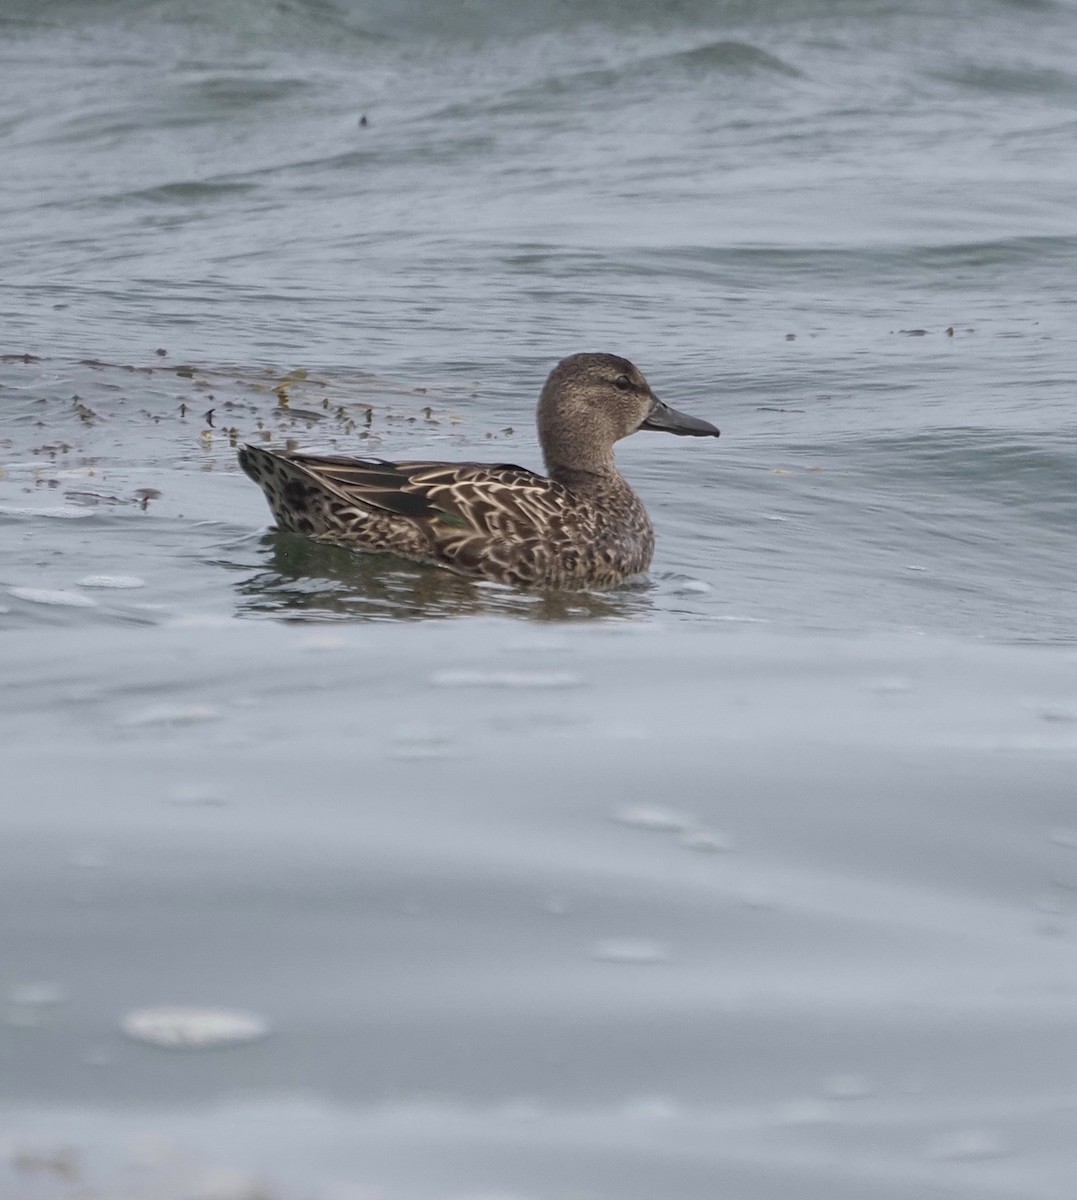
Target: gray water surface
753,878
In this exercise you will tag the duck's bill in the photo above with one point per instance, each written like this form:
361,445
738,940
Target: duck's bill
669,420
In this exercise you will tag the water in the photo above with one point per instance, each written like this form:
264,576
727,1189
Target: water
753,878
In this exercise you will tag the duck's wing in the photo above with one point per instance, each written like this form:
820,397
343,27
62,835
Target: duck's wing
489,500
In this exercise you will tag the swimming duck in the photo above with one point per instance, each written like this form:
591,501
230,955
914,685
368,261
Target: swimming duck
581,526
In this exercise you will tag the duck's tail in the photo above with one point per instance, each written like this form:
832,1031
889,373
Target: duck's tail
299,502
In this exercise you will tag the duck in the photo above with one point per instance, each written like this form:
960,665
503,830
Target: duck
578,527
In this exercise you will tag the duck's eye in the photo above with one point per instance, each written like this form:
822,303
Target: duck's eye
622,383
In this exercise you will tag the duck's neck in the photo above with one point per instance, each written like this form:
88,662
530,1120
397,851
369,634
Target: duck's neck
596,478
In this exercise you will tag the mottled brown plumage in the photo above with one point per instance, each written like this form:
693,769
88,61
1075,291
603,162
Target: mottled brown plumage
580,527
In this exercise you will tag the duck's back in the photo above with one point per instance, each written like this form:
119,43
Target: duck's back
499,521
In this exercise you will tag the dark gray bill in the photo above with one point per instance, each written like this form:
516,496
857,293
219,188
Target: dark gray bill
669,420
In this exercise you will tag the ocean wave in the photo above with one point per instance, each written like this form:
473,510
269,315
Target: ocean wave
344,24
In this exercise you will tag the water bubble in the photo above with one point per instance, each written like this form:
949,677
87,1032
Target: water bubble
180,1028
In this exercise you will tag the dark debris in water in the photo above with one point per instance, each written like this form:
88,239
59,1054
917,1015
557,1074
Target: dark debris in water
146,494
949,331
347,413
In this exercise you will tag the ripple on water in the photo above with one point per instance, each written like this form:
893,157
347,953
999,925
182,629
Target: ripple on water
966,1145
197,795
690,587
506,679
1057,714
322,642
171,714
653,818
36,995
60,513
29,1003
87,858
804,1111
705,841
652,1108
420,743
630,951
847,1087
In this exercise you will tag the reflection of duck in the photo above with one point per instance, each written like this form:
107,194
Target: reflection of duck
582,527
302,580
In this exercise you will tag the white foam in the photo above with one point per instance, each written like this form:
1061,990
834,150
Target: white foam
112,581
59,597
178,1028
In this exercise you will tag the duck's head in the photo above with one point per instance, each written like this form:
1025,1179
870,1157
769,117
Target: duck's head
591,401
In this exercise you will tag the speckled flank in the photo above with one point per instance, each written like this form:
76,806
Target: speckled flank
581,527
